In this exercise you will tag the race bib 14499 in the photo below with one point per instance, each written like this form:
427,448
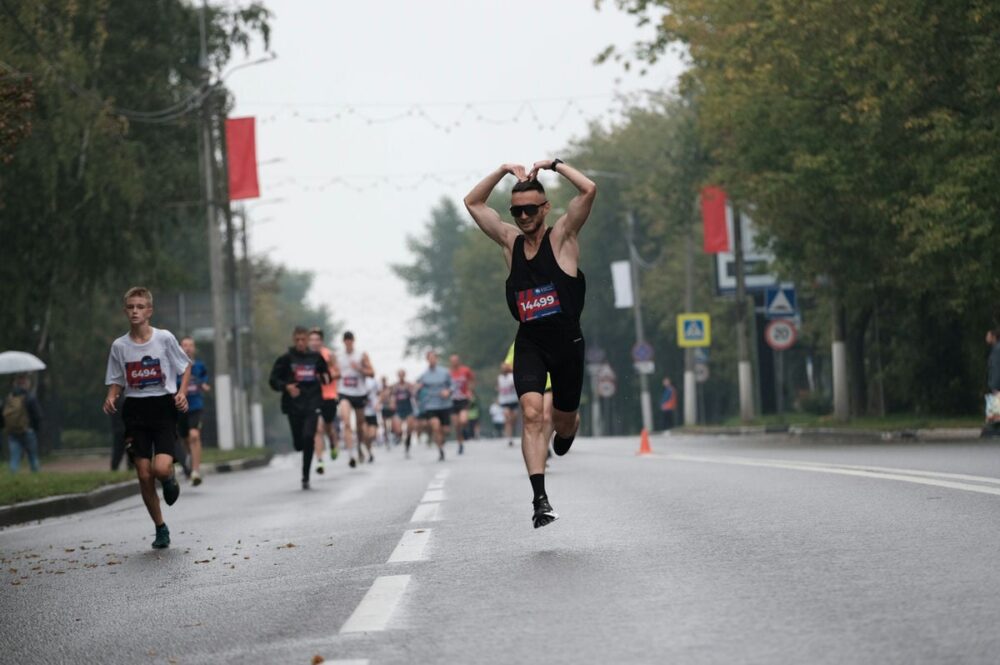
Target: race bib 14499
538,302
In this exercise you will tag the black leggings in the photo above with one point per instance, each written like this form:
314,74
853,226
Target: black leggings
303,426
556,352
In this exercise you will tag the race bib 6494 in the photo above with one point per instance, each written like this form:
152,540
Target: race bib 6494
145,373
538,302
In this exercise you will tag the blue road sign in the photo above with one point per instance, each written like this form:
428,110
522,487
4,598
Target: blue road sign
642,352
780,302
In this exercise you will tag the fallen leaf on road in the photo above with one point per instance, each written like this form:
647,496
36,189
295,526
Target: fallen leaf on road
317,659
114,563
202,561
246,557
70,549
287,546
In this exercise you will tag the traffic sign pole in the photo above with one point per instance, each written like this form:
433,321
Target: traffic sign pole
640,338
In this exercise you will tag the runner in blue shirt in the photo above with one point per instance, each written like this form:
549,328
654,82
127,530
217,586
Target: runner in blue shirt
437,404
189,424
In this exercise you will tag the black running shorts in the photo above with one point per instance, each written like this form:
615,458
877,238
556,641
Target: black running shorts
444,415
328,409
371,420
459,406
187,422
357,401
150,425
559,353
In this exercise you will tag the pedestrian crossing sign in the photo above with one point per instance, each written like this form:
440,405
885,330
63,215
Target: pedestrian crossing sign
694,330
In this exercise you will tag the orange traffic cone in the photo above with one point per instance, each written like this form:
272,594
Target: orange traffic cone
644,448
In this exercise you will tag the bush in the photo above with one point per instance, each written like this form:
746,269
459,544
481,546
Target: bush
816,404
84,438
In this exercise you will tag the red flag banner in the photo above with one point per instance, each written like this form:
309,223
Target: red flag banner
241,156
713,213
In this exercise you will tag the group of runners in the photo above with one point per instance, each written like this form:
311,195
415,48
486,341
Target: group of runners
332,400
335,398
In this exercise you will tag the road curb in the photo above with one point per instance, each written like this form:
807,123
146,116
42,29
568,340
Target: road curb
67,504
942,434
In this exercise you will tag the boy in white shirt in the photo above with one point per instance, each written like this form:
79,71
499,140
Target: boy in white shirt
145,364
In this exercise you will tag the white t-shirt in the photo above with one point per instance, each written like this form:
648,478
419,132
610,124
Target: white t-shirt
146,370
352,381
506,393
497,414
372,385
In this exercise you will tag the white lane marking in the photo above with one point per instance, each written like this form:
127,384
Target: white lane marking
427,512
431,496
411,546
436,485
376,608
918,477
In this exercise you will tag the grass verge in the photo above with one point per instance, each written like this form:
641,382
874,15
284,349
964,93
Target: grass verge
28,486
888,423
214,455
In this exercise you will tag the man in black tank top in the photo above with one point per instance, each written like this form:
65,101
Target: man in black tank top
545,294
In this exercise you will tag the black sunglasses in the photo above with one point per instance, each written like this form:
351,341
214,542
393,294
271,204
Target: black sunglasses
529,209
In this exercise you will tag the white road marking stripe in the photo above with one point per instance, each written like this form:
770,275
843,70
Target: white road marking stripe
376,608
918,477
436,485
427,512
431,496
411,546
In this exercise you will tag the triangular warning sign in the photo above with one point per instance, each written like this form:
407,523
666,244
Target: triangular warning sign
780,305
694,330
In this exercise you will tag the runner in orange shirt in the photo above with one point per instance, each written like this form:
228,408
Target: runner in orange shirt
328,407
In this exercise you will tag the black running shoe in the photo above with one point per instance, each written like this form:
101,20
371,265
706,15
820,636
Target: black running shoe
461,448
305,484
171,490
371,458
186,466
352,463
561,445
319,468
544,515
162,539
440,454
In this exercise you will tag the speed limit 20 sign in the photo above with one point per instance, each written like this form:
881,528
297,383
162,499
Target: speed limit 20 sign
780,334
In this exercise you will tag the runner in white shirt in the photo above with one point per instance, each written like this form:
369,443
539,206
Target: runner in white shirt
507,397
371,414
354,366
145,364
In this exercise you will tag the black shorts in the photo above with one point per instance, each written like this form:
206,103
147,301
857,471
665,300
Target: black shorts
371,420
187,422
357,401
404,410
328,409
559,353
150,426
460,405
387,414
444,415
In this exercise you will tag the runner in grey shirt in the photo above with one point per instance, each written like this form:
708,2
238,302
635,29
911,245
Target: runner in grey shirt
437,403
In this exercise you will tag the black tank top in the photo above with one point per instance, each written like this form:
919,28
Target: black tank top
539,293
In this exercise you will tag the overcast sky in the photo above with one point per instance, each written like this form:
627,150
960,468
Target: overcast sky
360,98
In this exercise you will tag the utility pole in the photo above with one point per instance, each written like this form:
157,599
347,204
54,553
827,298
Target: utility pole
223,383
745,370
640,338
690,382
256,406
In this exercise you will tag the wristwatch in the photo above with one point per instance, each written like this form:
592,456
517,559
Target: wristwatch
556,162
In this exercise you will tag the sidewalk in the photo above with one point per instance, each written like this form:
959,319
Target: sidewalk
919,434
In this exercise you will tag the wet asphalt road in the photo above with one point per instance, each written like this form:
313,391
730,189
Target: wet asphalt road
712,550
